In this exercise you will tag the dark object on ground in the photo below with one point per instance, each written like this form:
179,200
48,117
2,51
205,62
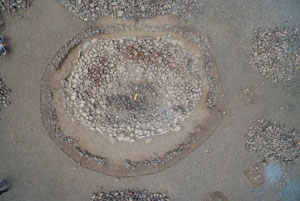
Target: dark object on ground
3,186
2,48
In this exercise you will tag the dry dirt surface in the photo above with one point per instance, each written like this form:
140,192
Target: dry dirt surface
215,196
37,169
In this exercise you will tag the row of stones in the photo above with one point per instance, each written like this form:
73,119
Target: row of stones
91,10
145,195
199,39
4,94
133,195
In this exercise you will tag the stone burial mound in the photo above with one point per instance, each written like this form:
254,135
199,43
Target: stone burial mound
128,100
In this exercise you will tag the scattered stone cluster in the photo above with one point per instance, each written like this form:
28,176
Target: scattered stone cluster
14,5
129,195
276,52
91,10
4,94
132,88
272,140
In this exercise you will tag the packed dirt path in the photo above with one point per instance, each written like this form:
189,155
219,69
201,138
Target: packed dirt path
38,170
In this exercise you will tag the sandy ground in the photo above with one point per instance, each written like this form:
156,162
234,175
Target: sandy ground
39,170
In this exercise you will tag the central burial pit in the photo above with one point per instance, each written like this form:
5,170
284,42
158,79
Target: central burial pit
128,100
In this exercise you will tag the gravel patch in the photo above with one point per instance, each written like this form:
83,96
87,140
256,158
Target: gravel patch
132,88
276,52
91,10
4,94
14,5
273,140
129,195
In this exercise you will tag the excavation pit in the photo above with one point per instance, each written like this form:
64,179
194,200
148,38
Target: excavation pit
128,100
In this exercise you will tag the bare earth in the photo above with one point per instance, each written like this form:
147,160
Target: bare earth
38,170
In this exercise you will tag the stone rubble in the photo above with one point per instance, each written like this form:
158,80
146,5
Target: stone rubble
14,5
91,10
200,40
129,195
276,52
273,141
132,88
4,94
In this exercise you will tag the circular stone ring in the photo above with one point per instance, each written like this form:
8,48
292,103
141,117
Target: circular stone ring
128,100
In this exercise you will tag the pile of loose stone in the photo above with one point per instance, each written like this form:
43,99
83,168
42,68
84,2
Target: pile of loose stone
129,195
276,52
272,140
90,10
14,5
4,94
132,88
